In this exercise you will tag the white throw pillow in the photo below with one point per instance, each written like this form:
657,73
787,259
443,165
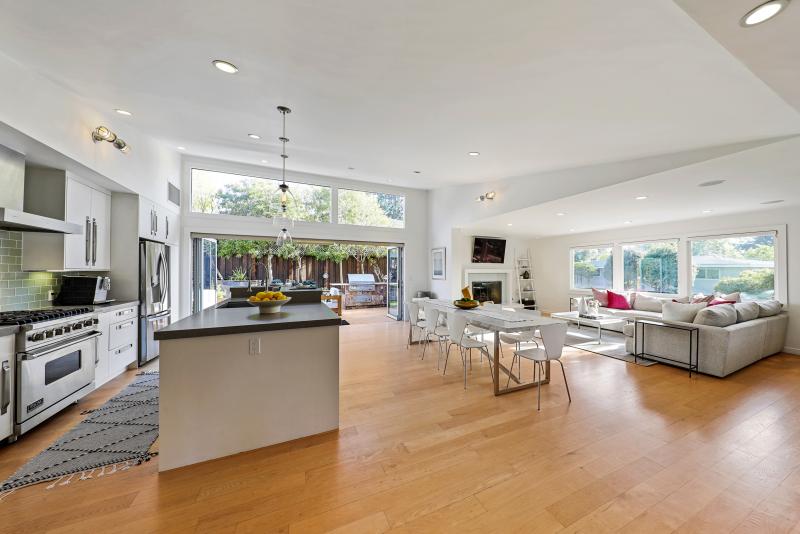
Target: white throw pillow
683,313
647,303
768,308
735,297
720,315
746,311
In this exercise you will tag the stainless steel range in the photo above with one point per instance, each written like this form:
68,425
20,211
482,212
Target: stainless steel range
56,352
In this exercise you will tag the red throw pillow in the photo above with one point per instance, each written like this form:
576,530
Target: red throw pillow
617,301
601,296
717,301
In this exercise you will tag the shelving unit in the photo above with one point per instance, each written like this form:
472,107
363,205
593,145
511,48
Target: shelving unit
526,290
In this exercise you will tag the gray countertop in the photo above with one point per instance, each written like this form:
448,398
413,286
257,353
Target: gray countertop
8,330
224,321
116,305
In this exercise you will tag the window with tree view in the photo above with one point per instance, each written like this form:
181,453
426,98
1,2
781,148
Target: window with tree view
592,267
371,209
651,267
743,264
233,194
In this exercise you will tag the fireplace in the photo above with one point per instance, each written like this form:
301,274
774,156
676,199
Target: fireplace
488,291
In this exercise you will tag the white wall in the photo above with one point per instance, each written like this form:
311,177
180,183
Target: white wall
413,236
551,256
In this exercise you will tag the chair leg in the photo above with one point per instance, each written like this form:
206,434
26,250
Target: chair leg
565,380
464,361
538,388
410,329
446,357
511,370
425,346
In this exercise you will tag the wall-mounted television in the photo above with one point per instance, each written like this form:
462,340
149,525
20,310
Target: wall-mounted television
488,250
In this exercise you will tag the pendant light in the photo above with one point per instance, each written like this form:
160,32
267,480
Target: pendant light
283,189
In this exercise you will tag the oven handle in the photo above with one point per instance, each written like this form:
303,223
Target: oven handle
33,354
5,400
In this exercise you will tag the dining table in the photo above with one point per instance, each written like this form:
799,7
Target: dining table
496,320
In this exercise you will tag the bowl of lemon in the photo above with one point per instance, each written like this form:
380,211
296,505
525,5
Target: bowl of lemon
268,301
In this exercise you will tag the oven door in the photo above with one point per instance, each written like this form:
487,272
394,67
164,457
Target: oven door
51,374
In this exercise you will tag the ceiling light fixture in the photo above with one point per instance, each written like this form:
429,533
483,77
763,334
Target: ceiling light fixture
101,133
416,172
181,148
708,211
264,161
509,224
766,202
124,112
763,12
225,66
560,214
641,197
473,153
254,136
283,188
710,183
351,168
572,229
489,195
628,222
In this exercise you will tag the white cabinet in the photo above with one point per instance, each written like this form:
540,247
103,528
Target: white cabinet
73,201
157,223
6,386
117,347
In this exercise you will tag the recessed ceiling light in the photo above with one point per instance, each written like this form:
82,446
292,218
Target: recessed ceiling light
641,197
772,201
711,183
572,229
254,136
474,153
510,224
181,148
708,211
225,66
124,112
264,161
763,13
560,214
628,222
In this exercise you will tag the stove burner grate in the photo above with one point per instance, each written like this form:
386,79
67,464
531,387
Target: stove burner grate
39,316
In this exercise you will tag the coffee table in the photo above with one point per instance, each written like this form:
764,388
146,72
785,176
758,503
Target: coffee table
599,322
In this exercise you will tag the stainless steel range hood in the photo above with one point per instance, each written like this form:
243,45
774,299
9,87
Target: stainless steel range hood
12,197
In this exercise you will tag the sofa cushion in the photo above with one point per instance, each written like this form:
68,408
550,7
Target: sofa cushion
735,296
617,301
683,313
768,308
746,311
601,296
634,314
721,315
647,303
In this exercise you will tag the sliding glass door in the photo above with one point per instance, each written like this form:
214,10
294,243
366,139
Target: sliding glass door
394,282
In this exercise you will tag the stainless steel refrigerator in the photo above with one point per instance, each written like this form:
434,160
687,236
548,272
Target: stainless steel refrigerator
154,302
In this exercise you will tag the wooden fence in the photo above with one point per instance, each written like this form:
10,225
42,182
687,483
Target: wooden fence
311,269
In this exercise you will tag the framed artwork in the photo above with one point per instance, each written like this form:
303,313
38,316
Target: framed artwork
438,265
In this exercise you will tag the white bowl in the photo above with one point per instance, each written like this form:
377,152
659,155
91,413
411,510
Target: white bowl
269,306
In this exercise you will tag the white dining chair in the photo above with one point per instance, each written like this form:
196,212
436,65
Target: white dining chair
433,329
553,337
414,321
518,338
457,325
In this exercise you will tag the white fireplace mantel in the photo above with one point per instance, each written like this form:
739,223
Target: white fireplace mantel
492,275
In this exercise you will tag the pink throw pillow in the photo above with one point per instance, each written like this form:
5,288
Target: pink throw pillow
719,301
617,301
601,296
697,299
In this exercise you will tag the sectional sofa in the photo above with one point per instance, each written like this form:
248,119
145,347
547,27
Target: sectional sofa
732,336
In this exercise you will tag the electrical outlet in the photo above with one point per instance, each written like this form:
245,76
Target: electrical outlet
255,345
51,295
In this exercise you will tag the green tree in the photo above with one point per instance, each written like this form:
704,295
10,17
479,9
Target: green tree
374,259
338,253
753,282
659,269
584,271
357,207
761,252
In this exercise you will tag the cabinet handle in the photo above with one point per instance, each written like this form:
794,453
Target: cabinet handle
94,241
125,325
156,219
88,239
123,349
166,221
152,224
5,400
124,312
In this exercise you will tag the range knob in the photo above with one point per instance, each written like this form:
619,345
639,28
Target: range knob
87,322
58,331
67,329
38,336
77,326
49,333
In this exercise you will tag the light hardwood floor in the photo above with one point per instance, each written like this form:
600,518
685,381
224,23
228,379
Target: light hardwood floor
640,449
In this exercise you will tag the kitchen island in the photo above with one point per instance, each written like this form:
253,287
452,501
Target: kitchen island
233,380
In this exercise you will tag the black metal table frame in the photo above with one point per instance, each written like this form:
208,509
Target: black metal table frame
694,343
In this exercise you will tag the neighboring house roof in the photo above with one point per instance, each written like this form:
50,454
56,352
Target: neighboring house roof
719,261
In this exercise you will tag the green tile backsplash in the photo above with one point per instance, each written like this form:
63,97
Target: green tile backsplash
20,290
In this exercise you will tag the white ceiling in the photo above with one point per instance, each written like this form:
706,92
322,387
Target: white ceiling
393,87
766,173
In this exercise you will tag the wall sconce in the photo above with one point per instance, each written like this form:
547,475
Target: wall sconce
101,133
486,196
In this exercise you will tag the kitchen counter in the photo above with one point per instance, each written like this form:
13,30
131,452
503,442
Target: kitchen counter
233,380
8,330
111,306
220,321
